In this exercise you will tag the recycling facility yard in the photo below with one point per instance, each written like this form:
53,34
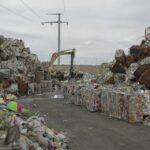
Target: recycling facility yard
92,131
108,109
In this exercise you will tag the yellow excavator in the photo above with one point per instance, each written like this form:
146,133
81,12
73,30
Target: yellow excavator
52,71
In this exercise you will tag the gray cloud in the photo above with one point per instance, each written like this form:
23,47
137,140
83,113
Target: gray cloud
97,27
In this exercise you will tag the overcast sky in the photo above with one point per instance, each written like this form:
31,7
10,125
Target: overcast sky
96,27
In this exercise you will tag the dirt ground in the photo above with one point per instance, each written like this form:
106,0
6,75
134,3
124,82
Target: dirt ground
92,131
82,68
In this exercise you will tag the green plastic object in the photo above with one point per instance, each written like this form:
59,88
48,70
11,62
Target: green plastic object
12,106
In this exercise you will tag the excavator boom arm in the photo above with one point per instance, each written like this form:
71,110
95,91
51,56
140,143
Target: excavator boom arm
61,53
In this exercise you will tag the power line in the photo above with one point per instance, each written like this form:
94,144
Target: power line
65,9
64,5
13,12
30,9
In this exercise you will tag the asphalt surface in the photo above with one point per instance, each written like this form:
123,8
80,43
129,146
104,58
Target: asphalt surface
92,131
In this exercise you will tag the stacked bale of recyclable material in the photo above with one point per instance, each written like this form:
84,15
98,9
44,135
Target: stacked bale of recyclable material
122,104
130,68
85,96
123,86
18,65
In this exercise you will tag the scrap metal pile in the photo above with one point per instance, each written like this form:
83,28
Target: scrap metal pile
20,71
122,89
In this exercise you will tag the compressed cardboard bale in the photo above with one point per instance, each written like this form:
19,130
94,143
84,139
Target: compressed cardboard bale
8,48
139,107
23,88
21,68
122,105
139,52
146,43
39,76
140,70
13,88
147,33
76,97
136,51
24,53
146,103
31,88
120,57
16,57
145,78
118,68
119,78
110,80
1,87
104,101
6,83
95,104
1,39
113,103
4,73
130,71
145,61
10,64
129,60
135,107
116,105
87,98
145,52
105,72
33,57
106,76
37,88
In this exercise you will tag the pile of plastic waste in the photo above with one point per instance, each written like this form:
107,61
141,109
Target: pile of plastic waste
22,129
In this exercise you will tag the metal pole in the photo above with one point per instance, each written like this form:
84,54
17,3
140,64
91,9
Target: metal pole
59,34
59,30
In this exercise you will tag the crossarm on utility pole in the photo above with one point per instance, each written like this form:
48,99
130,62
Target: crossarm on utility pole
59,30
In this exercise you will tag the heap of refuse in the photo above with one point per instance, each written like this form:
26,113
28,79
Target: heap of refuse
122,89
129,69
22,129
20,71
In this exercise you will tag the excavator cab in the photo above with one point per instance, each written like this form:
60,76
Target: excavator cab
52,72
